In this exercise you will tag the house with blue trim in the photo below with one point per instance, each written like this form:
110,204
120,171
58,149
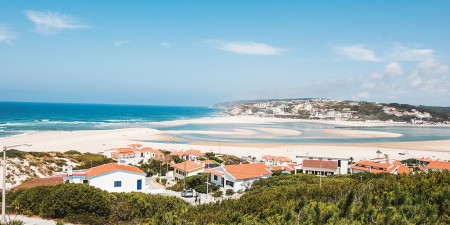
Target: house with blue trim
110,177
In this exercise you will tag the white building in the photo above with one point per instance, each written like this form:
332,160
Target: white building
238,177
134,155
270,160
110,177
191,154
187,169
322,165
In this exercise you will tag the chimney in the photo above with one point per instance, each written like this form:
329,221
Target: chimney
387,158
69,171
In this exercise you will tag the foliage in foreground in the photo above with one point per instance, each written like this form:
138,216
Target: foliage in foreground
290,199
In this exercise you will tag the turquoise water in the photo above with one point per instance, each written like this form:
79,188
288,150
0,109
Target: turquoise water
308,133
18,118
21,118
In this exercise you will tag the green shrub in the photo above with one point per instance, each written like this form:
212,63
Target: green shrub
229,192
76,199
217,194
196,182
29,201
40,154
14,153
72,152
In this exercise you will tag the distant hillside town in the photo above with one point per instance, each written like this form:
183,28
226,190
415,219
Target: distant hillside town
326,109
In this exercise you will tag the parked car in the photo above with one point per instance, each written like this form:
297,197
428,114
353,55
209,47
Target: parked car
187,193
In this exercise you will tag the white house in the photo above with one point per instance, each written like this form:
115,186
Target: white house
187,169
110,177
322,165
380,166
190,154
238,177
271,160
134,155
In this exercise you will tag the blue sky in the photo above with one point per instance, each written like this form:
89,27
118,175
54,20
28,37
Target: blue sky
202,52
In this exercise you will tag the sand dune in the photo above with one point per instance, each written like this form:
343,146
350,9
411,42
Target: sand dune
360,133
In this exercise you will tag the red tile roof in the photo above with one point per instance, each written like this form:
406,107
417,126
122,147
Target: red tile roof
125,150
194,152
367,169
188,152
135,145
247,171
283,168
439,165
277,158
424,159
365,163
178,153
110,167
376,167
49,181
215,172
315,163
189,165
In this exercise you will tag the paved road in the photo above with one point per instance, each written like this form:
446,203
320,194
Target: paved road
33,220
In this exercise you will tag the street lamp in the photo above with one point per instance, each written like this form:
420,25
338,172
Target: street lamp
320,173
5,148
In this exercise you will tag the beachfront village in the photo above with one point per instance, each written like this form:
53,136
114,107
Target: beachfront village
195,176
337,110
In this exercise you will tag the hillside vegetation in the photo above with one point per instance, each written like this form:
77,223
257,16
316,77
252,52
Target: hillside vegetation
23,165
286,199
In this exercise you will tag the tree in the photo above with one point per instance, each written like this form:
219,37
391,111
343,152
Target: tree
379,153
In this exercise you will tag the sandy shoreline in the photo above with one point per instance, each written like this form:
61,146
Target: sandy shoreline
99,140
270,120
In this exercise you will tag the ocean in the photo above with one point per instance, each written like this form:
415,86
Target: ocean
19,118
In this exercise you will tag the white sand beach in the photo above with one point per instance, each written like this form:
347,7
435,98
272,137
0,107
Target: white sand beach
99,140
360,133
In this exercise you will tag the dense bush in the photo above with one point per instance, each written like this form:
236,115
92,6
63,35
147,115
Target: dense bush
363,198
13,153
89,160
79,203
72,152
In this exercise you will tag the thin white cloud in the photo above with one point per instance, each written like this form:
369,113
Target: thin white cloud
430,76
120,43
357,52
49,23
6,35
165,44
245,47
393,69
404,53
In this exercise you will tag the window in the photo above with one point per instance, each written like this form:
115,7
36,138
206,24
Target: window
215,177
230,183
85,182
117,183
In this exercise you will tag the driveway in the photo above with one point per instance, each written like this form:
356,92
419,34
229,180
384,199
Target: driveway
32,220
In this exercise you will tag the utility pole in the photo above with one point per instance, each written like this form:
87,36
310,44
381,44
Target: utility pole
320,174
160,165
185,161
5,148
207,184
